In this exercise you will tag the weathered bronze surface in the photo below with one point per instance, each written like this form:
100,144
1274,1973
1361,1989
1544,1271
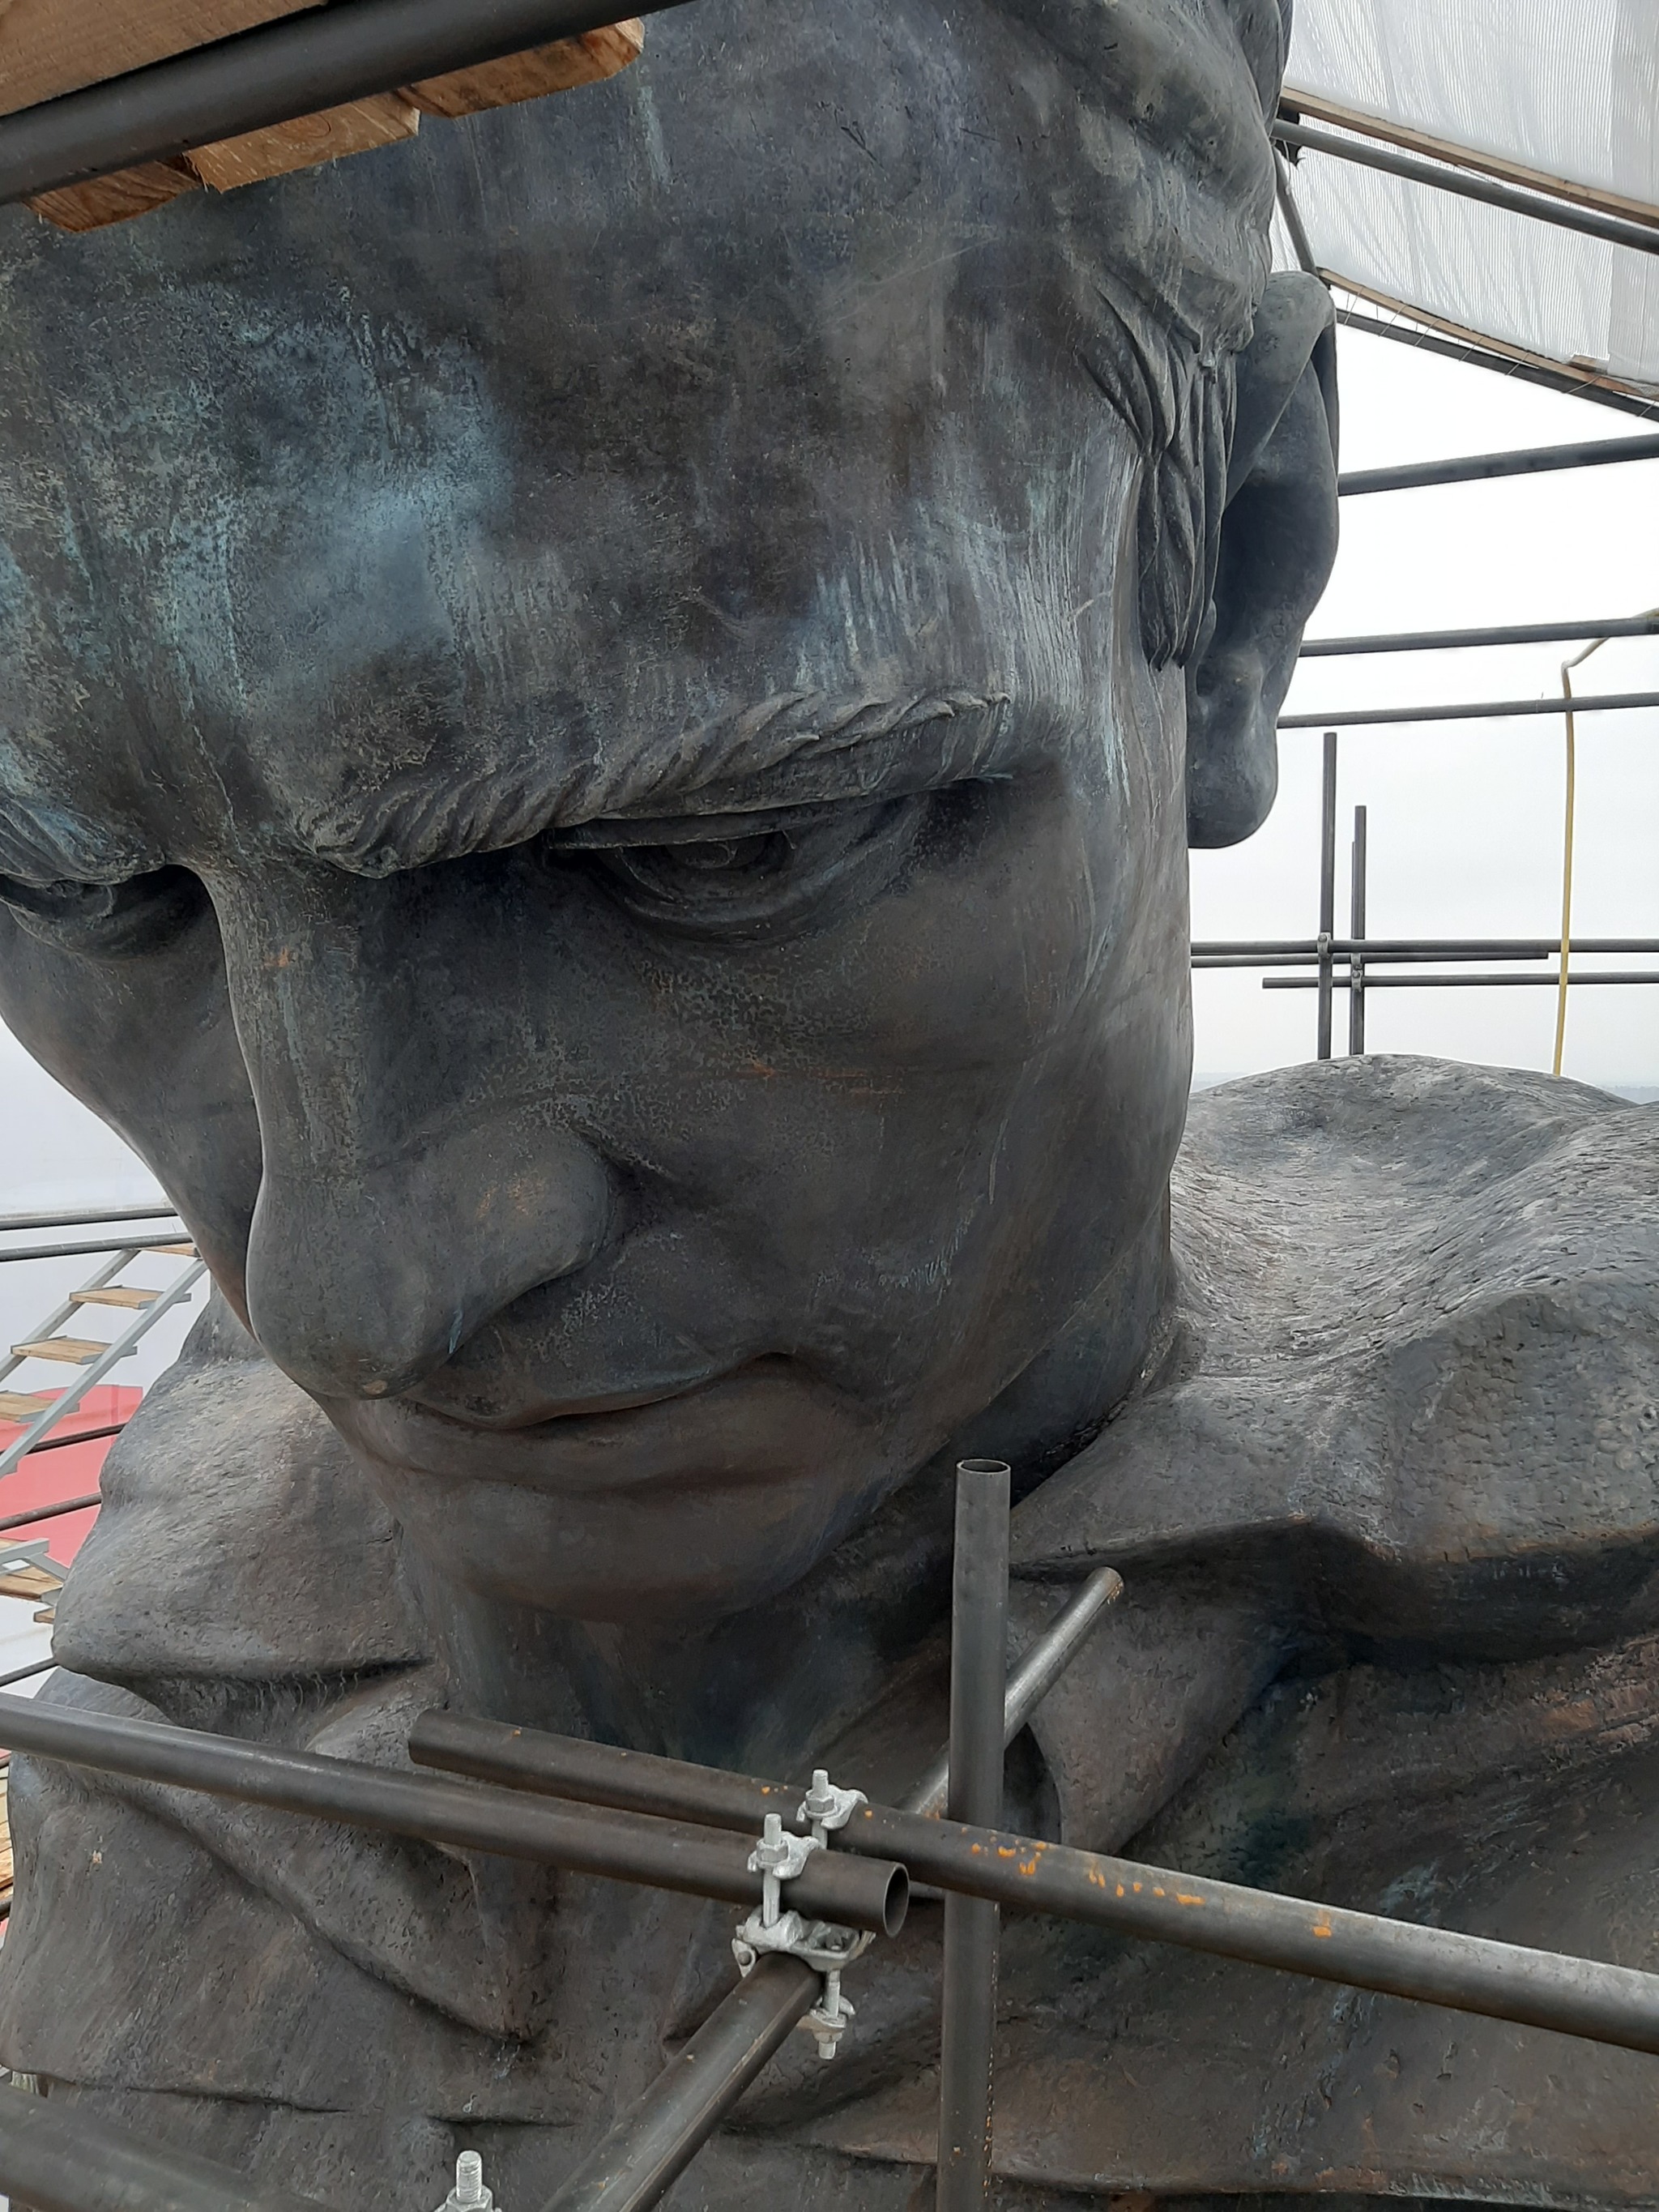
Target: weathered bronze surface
599,723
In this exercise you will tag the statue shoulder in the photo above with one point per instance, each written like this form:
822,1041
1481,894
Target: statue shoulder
1414,1358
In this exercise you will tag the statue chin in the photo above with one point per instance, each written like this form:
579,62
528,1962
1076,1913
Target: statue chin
696,1506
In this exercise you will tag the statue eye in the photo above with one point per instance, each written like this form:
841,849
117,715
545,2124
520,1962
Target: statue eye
727,878
106,918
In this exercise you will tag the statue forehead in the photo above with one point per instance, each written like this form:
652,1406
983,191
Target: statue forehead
630,466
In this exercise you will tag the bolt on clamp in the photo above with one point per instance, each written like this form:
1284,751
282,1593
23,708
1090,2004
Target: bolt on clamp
825,1809
820,1944
469,2194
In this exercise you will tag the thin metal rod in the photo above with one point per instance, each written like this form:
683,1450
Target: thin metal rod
300,65
1357,924
1524,461
1301,243
1458,983
1549,377
48,1512
1615,230
1032,1678
1306,949
9,1221
657,2138
1327,894
75,1251
1469,1973
69,2161
979,1667
81,1437
1455,641
1297,106
23,1674
663,1854
1490,710
88,1378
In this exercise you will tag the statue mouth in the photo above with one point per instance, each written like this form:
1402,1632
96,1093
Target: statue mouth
748,1425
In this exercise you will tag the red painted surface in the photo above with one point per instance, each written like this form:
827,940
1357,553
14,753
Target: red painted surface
45,1477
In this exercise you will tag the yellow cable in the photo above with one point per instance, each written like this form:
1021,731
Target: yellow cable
1567,667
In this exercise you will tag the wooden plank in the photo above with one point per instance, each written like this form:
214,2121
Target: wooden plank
172,1251
52,47
21,1405
29,1582
358,128
556,67
72,1350
115,199
115,1294
1311,106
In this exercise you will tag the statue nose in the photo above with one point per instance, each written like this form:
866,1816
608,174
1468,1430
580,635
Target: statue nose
359,1285
416,1173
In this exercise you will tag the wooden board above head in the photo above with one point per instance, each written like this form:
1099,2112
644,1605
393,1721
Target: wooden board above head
305,142
557,67
53,46
282,147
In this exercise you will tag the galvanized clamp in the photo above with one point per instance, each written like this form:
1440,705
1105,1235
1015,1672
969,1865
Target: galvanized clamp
820,1944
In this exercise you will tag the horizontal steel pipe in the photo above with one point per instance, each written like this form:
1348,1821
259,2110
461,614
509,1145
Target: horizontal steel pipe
68,1505
72,1251
1469,1973
158,1213
1615,230
1455,641
1479,468
81,1437
63,2160
1524,368
1306,948
1490,710
1371,981
660,1854
600,1774
656,2139
299,66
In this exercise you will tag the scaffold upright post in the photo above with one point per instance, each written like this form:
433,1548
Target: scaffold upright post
1356,933
1326,894
979,1668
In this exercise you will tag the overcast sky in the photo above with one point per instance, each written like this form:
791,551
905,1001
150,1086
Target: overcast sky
1465,820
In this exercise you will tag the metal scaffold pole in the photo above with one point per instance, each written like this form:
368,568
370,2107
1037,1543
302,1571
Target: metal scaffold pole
979,1647
1327,894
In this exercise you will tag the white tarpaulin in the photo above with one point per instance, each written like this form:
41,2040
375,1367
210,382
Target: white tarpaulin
1565,92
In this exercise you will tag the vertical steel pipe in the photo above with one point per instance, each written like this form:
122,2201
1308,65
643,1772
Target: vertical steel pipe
979,1667
1356,933
1031,1683
1327,894
657,2138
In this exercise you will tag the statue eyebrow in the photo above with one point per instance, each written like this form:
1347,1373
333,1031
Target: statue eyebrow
798,750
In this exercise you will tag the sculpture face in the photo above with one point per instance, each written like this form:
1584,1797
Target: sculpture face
580,779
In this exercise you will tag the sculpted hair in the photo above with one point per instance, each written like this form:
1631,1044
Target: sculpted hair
1163,208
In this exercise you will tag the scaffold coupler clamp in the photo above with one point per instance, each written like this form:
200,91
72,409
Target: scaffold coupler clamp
772,1926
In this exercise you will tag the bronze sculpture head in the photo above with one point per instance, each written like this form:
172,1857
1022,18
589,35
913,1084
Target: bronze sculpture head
599,725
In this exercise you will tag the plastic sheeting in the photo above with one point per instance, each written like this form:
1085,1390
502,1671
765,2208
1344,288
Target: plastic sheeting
1564,91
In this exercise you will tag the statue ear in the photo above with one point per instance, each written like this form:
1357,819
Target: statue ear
1277,543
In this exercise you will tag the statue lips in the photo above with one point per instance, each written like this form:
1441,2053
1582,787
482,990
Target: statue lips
751,1424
